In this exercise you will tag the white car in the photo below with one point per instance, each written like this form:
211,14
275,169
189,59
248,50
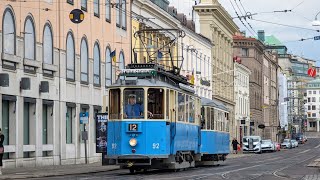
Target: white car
294,143
286,144
251,144
268,145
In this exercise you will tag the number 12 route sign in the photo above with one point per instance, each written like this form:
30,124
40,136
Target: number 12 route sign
312,72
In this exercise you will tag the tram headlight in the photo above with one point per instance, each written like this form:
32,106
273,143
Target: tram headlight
133,142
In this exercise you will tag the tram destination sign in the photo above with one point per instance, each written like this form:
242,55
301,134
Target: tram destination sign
138,72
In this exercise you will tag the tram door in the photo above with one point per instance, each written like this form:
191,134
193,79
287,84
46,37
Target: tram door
172,117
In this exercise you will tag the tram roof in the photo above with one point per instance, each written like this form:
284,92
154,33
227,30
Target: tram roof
146,83
213,103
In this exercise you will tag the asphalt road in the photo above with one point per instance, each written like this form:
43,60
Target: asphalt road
286,164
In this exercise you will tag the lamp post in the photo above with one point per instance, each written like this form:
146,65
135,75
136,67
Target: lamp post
316,22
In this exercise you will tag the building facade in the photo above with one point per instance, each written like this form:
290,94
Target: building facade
57,70
312,106
242,98
251,52
283,100
217,25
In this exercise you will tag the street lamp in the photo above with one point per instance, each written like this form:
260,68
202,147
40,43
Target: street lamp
316,22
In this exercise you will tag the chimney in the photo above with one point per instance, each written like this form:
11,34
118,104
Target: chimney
243,33
261,36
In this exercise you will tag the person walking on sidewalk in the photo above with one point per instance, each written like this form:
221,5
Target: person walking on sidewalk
1,150
235,146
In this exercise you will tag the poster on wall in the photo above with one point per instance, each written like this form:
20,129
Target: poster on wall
101,132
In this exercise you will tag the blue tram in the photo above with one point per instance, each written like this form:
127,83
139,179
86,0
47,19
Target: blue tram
155,122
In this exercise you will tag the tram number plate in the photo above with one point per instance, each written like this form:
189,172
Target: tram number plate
133,127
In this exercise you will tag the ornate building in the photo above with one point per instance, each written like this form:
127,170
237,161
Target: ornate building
217,25
57,69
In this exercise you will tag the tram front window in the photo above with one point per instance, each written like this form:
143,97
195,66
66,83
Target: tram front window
155,104
133,107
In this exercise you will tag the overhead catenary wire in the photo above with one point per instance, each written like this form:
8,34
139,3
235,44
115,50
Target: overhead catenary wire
241,19
286,25
245,12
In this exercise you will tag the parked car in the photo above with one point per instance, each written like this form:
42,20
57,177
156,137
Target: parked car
267,145
286,144
301,138
251,144
294,143
278,146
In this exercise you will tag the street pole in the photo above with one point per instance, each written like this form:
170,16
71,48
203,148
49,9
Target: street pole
85,145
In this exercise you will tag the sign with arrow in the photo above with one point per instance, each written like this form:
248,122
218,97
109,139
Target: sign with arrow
316,38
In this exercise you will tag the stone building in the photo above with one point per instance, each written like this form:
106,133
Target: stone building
56,70
251,50
242,98
216,24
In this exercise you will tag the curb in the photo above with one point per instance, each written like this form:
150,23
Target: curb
26,176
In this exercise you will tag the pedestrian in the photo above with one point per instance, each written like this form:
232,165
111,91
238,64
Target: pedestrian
1,150
235,146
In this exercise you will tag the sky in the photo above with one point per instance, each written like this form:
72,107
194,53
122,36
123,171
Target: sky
302,15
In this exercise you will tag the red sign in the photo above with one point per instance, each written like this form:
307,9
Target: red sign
312,72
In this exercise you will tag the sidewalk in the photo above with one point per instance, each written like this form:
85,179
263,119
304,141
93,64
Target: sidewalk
47,171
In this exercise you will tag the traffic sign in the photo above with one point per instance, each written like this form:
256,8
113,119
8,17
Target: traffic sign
84,117
261,126
312,72
76,16
316,38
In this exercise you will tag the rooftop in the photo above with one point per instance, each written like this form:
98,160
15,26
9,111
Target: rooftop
272,41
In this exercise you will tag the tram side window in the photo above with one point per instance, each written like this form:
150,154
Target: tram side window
155,103
181,106
191,109
133,104
114,104
203,119
212,119
208,118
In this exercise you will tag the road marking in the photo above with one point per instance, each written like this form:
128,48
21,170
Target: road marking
304,151
317,146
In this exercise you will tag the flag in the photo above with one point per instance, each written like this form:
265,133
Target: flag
113,56
192,77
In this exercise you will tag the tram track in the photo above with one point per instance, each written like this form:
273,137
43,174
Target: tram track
270,161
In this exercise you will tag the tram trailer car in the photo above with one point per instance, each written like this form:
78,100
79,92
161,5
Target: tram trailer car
156,124
214,138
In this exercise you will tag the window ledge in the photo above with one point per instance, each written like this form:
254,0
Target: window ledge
29,148
10,58
47,147
9,148
50,67
31,62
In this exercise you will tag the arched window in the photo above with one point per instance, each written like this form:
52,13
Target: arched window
108,67
70,57
84,60
121,60
8,32
96,64
29,39
47,45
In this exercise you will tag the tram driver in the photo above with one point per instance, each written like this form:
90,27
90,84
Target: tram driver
133,110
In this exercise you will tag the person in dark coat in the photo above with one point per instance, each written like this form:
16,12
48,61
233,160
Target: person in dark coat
1,150
235,146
